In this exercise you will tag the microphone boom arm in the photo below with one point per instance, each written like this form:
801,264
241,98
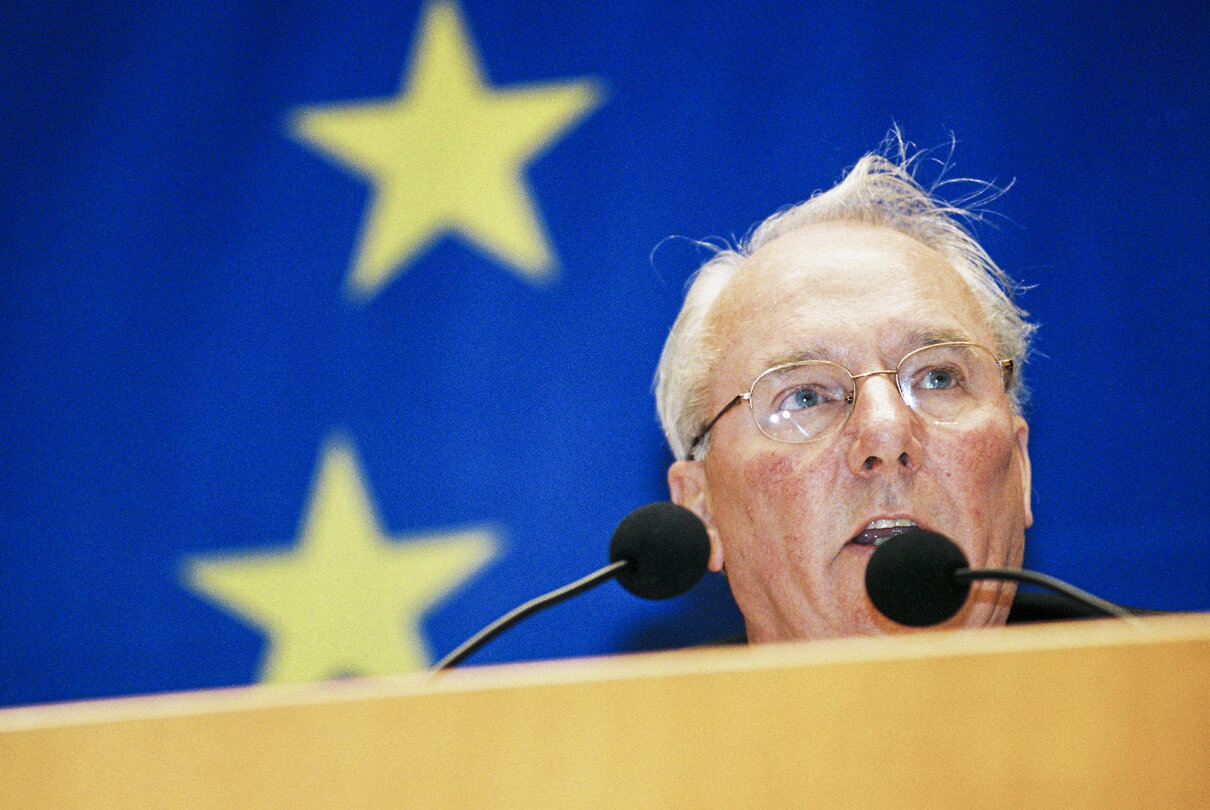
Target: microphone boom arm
521,611
1056,585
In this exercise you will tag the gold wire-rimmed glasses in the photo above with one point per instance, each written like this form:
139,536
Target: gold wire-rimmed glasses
809,400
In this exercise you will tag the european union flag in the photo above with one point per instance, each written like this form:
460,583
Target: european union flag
329,329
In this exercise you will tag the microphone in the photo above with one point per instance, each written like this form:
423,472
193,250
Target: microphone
667,549
658,551
920,578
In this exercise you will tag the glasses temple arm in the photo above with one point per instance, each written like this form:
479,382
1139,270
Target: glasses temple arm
706,430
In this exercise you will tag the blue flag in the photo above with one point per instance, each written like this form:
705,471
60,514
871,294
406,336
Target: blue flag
329,330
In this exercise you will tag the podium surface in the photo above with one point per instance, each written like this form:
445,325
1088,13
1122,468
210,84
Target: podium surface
1083,714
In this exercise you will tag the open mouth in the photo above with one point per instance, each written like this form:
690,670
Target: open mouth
879,531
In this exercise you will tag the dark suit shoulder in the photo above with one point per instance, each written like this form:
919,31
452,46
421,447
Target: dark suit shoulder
1028,607
1031,606
1037,606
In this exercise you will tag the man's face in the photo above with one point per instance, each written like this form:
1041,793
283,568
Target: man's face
782,517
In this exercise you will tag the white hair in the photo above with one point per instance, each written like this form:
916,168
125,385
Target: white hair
877,191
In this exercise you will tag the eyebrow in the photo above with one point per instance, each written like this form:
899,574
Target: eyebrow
931,337
916,339
795,356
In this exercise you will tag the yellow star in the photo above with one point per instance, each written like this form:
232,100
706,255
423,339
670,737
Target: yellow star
447,155
346,600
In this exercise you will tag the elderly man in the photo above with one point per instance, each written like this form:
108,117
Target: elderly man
850,371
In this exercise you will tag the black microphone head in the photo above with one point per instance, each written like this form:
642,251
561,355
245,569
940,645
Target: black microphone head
910,578
668,549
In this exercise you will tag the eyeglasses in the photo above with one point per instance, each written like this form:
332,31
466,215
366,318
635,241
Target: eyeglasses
812,399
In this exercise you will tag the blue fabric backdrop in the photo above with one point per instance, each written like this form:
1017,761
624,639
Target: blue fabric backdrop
276,407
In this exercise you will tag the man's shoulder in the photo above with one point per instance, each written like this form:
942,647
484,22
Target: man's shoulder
1038,606
1032,606
1028,607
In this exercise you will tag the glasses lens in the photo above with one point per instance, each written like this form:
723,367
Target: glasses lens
803,401
949,381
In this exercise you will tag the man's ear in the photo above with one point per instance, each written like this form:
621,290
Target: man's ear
1021,430
689,488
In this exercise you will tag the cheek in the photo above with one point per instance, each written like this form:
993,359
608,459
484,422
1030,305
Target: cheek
771,499
979,467
749,497
773,478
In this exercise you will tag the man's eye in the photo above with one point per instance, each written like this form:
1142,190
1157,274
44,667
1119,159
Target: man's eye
802,399
939,379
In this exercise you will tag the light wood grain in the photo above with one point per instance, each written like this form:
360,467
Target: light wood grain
1090,714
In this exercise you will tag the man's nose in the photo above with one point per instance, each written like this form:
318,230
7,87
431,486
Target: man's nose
884,429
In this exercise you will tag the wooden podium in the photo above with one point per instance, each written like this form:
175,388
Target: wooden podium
1090,714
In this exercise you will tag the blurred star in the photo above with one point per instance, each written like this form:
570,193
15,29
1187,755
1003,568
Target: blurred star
447,155
347,600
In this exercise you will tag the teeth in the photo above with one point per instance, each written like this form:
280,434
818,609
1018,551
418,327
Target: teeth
890,524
